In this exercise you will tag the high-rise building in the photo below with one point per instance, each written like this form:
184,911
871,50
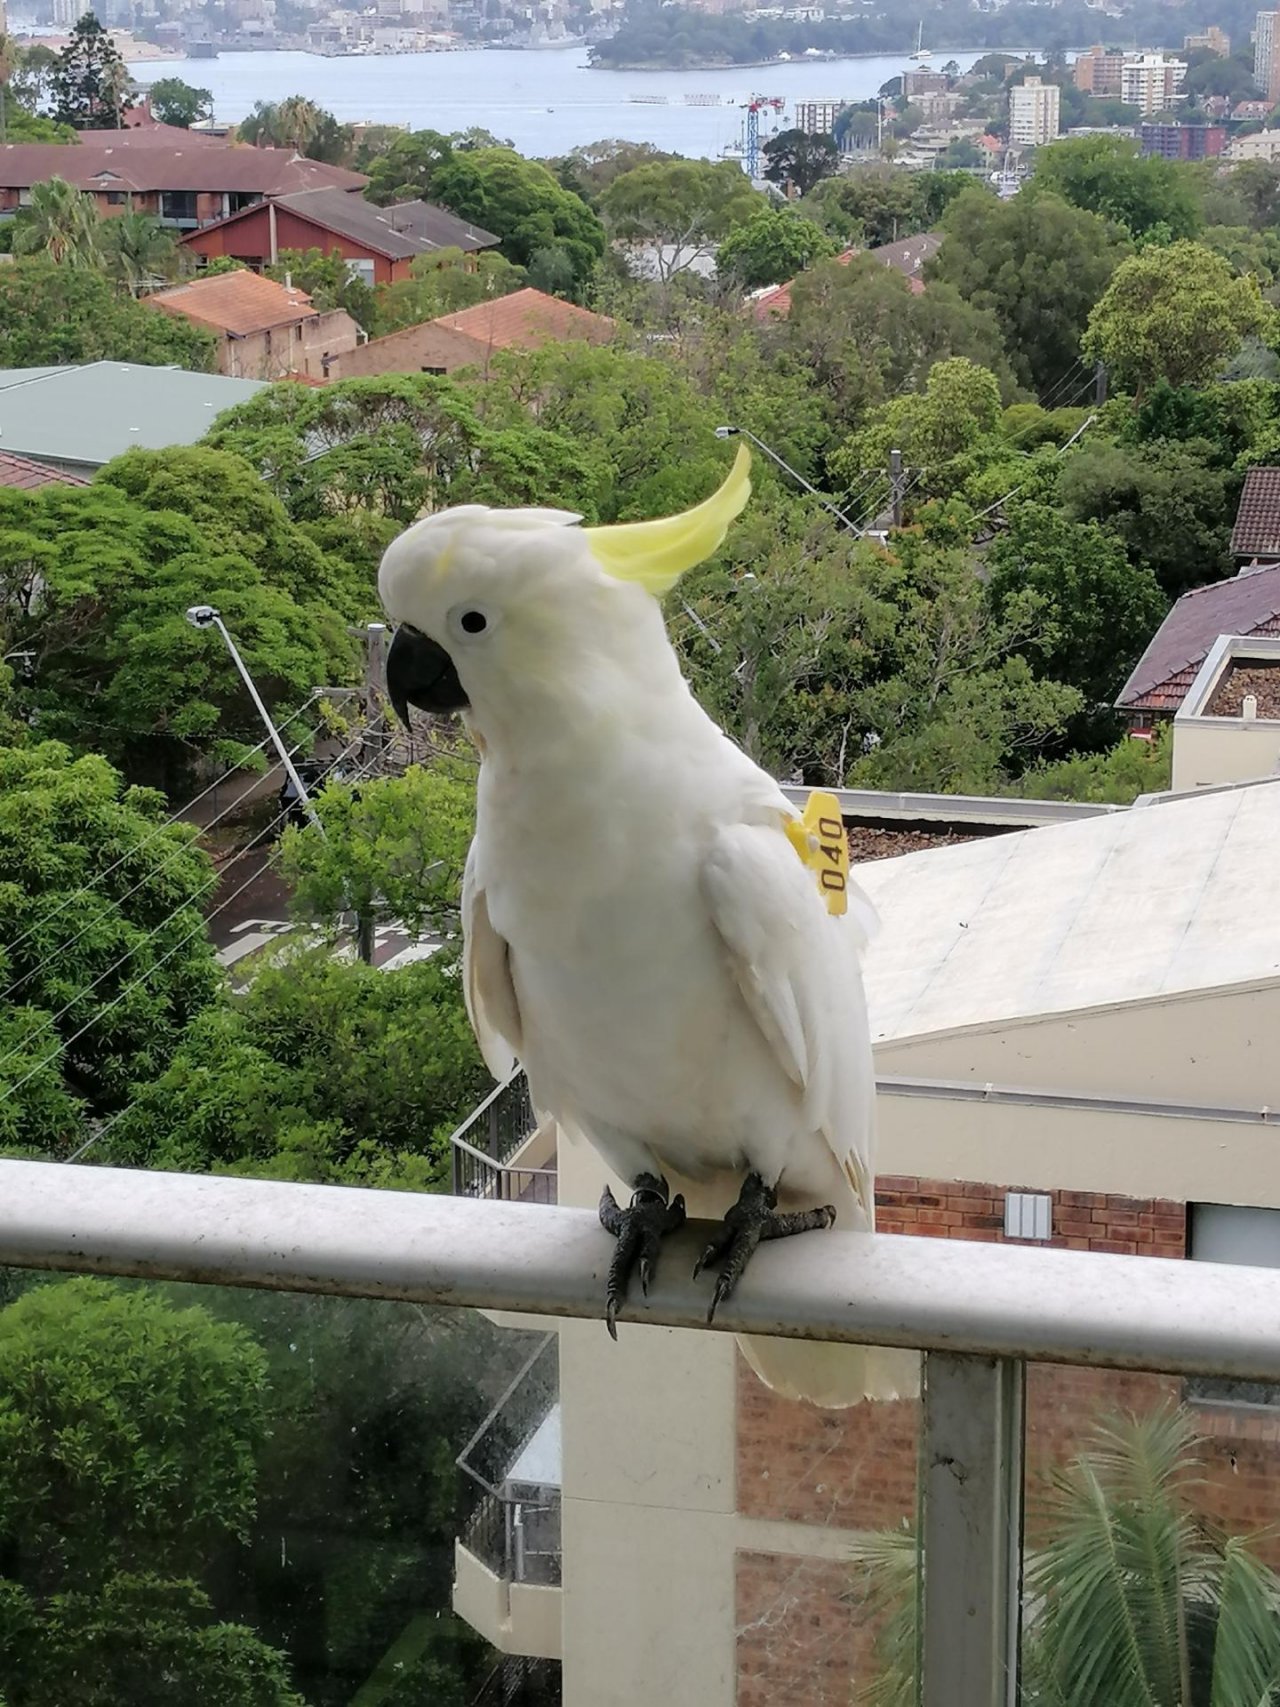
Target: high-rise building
1266,54
1184,141
1097,71
816,118
1212,38
1150,81
1033,113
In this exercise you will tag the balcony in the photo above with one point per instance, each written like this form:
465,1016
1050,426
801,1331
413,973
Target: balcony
501,1152
980,1313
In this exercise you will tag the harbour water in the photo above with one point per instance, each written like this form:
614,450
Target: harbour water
544,101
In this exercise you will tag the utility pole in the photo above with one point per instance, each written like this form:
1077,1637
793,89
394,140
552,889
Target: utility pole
1099,383
376,638
897,485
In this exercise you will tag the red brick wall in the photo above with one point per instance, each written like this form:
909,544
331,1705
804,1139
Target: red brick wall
1082,1220
804,1639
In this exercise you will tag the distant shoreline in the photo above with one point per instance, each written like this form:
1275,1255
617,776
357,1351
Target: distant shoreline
939,53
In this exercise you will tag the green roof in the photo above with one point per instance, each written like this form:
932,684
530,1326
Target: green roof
85,416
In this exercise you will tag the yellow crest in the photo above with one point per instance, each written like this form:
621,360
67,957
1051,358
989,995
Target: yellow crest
656,554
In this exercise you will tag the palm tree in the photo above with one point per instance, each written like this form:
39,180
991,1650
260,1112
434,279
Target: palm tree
1133,1600
59,221
140,252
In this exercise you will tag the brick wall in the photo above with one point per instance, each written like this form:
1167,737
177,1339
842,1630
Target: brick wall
804,1639
1082,1220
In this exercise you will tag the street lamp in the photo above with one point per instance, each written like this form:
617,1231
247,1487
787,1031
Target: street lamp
745,433
205,617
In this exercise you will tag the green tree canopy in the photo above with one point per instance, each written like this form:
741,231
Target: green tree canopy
101,935
1038,265
178,103
1105,175
328,281
773,245
140,253
130,1431
588,171
442,283
801,159
89,86
521,203
53,315
297,122
679,209
61,222
959,405
405,167
1175,313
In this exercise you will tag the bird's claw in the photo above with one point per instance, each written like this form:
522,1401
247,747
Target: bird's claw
639,1230
753,1218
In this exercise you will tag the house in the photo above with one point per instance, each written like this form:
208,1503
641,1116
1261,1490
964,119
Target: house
908,257
1256,535
1248,604
184,183
27,476
1228,726
524,320
265,330
379,243
76,419
1072,1032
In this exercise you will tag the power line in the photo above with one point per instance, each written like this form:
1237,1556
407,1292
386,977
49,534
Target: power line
1083,428
51,1020
164,864
130,853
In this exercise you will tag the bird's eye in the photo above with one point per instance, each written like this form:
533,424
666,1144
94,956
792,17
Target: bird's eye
473,621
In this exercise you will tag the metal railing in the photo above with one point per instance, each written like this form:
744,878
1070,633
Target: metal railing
511,1522
979,1312
519,1682
482,1148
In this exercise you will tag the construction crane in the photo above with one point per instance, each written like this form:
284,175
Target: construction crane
754,107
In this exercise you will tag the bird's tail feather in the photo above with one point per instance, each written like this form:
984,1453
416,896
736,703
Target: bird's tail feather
832,1376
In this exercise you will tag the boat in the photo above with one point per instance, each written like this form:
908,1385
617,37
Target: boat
921,52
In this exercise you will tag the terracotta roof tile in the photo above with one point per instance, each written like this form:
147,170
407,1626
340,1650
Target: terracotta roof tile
239,303
1247,604
1257,529
20,471
526,319
906,257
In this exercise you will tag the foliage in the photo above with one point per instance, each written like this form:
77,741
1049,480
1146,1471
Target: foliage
1173,313
96,580
523,205
932,428
770,247
52,315
405,169
139,252
103,953
588,171
391,849
880,203
1164,501
679,209
298,123
328,281
442,283
60,222
178,103
800,159
1102,609
129,1431
1134,766
89,85
325,1069
1038,265
1106,176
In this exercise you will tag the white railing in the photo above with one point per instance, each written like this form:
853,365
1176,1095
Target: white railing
978,1312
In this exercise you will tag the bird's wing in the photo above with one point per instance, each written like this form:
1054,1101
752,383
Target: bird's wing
486,980
798,970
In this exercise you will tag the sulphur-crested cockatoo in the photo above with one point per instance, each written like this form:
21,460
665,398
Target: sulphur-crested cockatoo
644,928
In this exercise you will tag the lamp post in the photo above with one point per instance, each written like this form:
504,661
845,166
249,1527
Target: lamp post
828,506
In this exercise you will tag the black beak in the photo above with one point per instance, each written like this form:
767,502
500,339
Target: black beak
421,673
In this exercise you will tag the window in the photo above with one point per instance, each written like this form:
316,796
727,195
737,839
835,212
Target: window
1233,1233
179,205
362,270
116,198
435,369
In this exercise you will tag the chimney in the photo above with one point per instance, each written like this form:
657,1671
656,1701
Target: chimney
1249,709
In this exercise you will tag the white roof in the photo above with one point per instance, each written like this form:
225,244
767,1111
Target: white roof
1172,897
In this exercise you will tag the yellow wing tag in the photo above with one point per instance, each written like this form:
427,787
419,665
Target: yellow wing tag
818,837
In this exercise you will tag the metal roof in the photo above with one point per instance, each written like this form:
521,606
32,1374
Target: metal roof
1118,909
398,232
87,415
1246,604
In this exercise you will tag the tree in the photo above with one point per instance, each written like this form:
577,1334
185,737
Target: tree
178,103
932,428
588,171
773,245
32,83
90,86
1038,265
876,204
60,222
1107,176
51,315
405,167
103,1542
139,252
298,123
679,210
523,205
442,283
1102,609
1132,1597
328,281
101,937
800,159
1174,313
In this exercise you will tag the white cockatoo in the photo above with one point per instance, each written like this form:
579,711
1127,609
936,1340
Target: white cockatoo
644,926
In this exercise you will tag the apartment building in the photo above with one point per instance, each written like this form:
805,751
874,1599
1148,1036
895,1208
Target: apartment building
1034,113
1266,54
1097,71
1151,81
